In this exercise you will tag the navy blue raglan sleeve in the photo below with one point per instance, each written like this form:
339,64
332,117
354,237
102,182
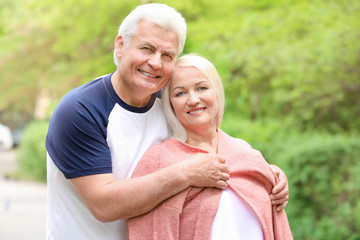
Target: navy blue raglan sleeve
76,139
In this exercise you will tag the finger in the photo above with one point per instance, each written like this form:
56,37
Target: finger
279,195
221,184
279,187
224,168
225,176
281,207
221,159
280,201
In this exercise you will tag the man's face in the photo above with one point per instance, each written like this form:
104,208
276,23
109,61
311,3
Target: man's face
146,64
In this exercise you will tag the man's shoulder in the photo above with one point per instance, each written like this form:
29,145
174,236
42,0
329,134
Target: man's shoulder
89,90
86,97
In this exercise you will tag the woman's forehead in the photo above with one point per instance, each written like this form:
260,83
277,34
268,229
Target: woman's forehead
187,74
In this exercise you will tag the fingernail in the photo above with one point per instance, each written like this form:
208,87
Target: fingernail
273,202
271,197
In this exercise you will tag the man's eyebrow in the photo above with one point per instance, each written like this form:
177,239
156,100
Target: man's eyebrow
149,44
170,52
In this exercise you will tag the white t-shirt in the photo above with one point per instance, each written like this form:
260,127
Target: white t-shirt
235,219
92,131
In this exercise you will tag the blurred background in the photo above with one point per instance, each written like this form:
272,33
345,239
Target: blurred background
290,68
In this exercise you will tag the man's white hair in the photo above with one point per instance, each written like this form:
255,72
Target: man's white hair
157,13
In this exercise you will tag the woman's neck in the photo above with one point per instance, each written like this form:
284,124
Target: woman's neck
205,140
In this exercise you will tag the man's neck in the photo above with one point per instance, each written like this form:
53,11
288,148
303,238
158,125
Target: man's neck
131,98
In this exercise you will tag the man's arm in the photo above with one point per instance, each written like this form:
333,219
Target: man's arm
280,193
109,199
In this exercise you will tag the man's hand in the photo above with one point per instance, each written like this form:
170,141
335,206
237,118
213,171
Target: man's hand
280,192
205,170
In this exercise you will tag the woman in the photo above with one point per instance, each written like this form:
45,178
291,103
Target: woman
194,103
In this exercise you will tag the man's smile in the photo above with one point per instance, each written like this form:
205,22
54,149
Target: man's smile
148,74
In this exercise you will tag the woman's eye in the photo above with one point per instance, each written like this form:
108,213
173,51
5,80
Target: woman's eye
179,94
202,88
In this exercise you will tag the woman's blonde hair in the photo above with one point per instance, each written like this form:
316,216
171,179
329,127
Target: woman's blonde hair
210,72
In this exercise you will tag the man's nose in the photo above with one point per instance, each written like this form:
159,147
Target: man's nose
155,61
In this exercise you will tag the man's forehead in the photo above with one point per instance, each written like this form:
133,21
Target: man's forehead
157,36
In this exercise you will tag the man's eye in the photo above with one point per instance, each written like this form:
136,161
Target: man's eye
147,49
168,57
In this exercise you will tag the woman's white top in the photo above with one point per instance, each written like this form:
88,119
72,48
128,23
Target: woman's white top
235,220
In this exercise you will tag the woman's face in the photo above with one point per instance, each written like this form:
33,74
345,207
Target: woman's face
193,99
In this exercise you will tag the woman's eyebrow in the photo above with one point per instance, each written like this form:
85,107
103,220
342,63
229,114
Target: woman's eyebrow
177,87
201,82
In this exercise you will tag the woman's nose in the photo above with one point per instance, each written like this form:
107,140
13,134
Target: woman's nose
193,99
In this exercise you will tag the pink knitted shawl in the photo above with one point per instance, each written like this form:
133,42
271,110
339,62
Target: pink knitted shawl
190,213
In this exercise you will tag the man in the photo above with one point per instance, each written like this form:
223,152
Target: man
100,130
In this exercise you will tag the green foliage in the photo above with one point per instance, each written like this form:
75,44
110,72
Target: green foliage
54,46
325,185
266,135
323,173
292,60
286,59
32,153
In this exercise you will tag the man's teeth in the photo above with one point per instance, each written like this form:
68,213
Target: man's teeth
196,111
147,74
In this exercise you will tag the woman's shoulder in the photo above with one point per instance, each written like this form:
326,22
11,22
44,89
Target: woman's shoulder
157,156
169,145
233,141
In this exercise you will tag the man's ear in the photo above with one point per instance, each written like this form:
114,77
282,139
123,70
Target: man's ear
119,44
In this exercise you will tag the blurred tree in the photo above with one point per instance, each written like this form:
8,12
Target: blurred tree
296,61
53,45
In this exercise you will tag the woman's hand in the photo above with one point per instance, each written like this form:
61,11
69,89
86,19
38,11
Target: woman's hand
280,193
